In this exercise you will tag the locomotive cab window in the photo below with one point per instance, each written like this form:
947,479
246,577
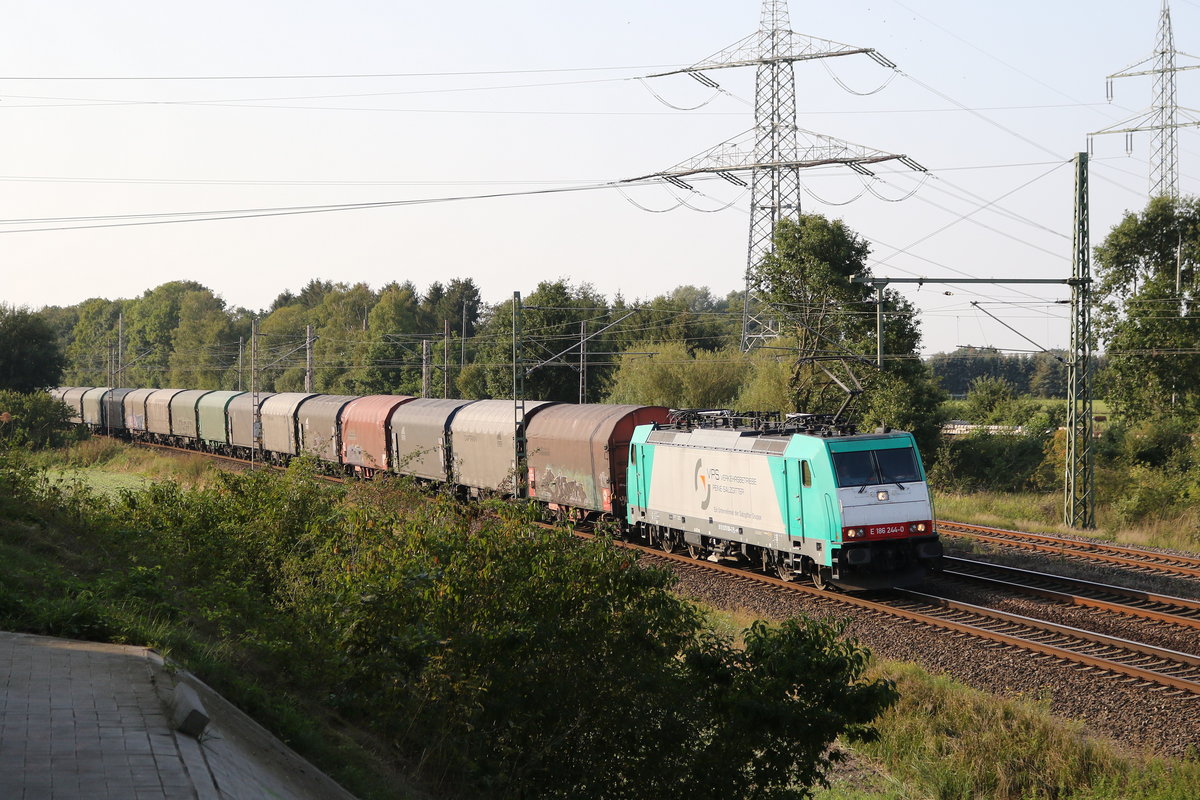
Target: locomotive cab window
805,474
870,467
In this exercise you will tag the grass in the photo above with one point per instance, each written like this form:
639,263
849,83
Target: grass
1040,512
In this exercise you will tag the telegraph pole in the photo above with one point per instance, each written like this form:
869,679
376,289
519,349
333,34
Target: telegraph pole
518,392
445,358
120,377
424,368
256,422
308,358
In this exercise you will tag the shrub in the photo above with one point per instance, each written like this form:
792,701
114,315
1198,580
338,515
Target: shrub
35,420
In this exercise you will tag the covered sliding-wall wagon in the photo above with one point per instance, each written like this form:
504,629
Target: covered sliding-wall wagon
114,409
135,410
158,412
278,416
578,455
93,406
365,444
483,441
184,422
317,425
420,437
211,413
242,418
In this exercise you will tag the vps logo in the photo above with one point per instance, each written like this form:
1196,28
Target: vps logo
700,485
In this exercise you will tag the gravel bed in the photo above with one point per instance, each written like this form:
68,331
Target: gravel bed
1131,716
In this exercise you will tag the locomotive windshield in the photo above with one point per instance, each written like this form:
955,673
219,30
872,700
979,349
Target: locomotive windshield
867,467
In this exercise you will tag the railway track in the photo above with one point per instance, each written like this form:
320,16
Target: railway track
1181,611
1136,663
1132,558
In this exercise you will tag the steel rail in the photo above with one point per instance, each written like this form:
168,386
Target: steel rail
1096,551
1186,613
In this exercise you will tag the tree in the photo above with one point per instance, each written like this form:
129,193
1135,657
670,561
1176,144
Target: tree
551,320
667,374
806,279
30,358
1146,297
150,323
394,354
93,341
204,345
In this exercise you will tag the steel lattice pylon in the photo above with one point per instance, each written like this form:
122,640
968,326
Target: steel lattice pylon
775,150
775,189
1164,162
1162,118
1079,491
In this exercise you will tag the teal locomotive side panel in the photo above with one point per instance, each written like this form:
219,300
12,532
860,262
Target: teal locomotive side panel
818,522
641,468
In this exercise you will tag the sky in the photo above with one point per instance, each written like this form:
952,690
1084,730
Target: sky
131,111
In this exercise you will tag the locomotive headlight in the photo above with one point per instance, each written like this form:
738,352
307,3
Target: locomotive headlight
917,527
853,533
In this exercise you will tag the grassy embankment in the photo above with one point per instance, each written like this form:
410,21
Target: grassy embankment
942,740
1041,512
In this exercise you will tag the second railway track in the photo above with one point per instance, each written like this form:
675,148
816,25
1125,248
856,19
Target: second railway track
1133,558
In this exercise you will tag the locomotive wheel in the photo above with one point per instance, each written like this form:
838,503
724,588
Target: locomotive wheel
818,579
784,571
694,551
667,543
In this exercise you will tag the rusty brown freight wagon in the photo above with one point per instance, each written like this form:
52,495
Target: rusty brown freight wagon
365,440
578,455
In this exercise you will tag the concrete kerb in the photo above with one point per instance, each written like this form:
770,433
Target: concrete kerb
235,756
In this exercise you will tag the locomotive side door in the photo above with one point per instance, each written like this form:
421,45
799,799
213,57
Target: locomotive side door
796,470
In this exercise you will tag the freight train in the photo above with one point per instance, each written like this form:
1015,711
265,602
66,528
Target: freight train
802,498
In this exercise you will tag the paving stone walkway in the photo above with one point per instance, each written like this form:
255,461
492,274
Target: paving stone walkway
90,720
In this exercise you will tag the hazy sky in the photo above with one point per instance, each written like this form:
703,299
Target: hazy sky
476,98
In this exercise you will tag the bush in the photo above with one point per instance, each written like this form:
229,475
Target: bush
35,420
500,659
984,461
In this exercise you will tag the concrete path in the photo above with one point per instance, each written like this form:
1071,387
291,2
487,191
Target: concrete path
88,720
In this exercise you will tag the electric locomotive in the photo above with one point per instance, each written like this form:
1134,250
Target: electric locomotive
851,510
